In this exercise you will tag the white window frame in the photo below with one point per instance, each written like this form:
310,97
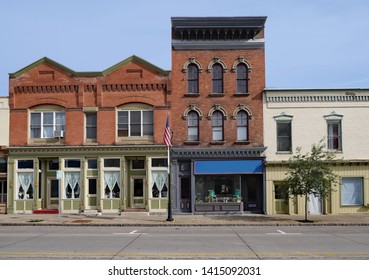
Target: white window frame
129,133
24,171
42,126
119,181
355,200
151,180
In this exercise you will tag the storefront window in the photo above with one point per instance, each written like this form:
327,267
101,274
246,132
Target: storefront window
221,188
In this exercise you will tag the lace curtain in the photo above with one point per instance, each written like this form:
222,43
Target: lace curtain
160,178
72,184
111,178
25,182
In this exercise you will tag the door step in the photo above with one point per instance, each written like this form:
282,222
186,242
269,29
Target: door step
46,211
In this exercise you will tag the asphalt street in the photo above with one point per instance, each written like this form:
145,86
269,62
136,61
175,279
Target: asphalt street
231,242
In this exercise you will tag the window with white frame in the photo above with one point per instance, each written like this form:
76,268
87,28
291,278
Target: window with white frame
193,126
352,193
25,179
159,178
217,120
193,78
47,124
72,178
334,131
217,78
242,78
112,180
242,126
334,135
135,123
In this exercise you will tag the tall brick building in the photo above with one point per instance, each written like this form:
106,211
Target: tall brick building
218,76
83,141
88,140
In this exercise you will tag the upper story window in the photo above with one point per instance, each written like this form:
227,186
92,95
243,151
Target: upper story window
242,78
135,123
91,126
284,132
193,126
284,143
217,120
334,135
47,124
242,126
217,78
334,127
193,78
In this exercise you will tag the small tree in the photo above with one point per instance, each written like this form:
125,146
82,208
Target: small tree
310,174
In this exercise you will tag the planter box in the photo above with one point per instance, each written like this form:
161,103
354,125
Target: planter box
219,207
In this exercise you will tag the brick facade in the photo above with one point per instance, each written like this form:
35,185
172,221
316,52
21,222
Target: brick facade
48,83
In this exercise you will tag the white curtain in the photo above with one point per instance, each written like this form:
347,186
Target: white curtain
110,179
25,180
73,180
352,191
160,178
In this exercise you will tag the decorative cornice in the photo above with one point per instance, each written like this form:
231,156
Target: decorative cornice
133,87
96,150
227,152
317,98
47,89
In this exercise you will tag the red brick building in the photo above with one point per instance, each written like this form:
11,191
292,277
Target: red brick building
88,140
93,141
218,76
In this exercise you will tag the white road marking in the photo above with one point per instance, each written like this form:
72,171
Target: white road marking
282,232
130,233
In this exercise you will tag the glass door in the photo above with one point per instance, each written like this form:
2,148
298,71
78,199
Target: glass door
92,193
138,192
52,193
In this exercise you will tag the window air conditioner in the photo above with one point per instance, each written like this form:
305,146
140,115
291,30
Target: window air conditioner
58,133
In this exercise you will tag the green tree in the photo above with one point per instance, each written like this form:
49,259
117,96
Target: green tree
310,174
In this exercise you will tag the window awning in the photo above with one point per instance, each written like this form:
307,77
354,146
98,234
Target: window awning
228,167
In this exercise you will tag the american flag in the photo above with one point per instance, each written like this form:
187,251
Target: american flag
167,134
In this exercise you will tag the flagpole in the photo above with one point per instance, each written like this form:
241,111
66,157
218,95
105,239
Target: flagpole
170,216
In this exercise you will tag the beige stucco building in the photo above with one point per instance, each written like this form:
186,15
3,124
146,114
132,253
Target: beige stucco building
4,143
301,117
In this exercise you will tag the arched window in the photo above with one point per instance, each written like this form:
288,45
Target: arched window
193,78
242,78
193,126
217,78
242,126
217,126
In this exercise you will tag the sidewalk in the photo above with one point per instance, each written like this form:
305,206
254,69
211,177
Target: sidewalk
145,219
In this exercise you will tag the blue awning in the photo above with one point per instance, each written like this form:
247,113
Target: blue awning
228,166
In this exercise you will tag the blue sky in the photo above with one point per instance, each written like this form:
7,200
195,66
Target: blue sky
309,44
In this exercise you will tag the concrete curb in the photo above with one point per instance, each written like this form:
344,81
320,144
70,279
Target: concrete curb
184,225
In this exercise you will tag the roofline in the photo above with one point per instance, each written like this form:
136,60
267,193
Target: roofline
90,73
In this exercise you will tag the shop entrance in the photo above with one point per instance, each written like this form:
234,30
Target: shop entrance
3,196
138,192
252,193
185,189
52,193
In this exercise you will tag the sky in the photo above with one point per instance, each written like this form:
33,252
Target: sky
308,43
